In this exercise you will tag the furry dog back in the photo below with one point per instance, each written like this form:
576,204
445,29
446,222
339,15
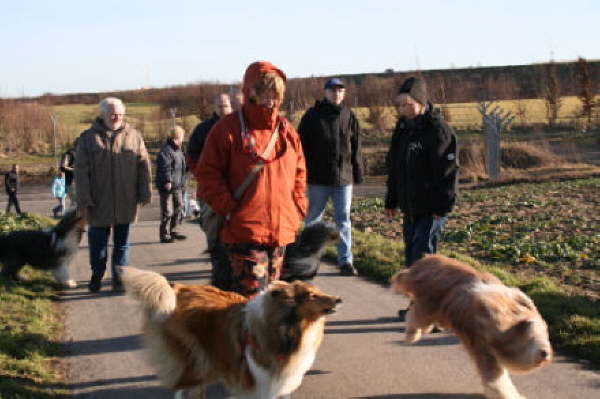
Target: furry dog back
43,249
499,326
303,257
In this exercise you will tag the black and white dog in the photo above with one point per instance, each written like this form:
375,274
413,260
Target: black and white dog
43,249
303,256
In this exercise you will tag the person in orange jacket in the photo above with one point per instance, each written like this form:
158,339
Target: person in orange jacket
268,215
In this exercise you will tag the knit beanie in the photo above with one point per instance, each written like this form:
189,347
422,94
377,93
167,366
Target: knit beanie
416,88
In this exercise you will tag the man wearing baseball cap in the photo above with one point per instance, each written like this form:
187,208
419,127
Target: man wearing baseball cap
330,137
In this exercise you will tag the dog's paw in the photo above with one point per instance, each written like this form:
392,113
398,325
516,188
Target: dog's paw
412,336
69,284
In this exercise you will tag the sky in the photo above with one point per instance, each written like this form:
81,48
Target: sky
67,46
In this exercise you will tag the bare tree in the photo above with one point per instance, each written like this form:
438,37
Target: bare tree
552,95
585,91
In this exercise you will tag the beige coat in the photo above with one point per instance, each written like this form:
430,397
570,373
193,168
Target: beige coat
112,174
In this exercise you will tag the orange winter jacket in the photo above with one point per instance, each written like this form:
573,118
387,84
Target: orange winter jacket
273,205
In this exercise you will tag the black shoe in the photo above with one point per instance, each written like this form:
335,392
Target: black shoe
166,240
95,283
178,236
348,270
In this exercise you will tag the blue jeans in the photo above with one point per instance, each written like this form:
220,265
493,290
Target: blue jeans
421,236
342,200
98,244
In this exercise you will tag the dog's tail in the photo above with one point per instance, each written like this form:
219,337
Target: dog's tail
398,280
152,290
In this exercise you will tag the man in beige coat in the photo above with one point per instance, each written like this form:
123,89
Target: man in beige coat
112,176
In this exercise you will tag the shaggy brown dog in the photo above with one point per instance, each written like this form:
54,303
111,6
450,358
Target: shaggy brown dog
499,326
198,335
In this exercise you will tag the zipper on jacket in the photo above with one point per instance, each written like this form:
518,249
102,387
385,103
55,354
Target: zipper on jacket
112,159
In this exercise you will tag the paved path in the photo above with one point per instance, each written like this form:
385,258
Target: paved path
362,355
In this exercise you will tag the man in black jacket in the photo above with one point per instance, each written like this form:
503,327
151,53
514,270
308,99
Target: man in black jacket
11,184
218,256
170,180
200,132
422,170
330,137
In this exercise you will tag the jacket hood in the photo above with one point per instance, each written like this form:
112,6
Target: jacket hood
254,71
257,116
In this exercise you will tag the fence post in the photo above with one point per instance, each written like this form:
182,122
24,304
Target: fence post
173,111
53,120
494,122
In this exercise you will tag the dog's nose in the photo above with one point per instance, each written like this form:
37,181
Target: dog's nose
338,300
544,354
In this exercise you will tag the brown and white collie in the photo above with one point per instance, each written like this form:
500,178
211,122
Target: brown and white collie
198,335
499,326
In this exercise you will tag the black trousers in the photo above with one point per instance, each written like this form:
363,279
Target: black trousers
13,201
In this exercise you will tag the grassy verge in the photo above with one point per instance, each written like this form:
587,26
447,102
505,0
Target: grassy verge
573,320
29,329
543,238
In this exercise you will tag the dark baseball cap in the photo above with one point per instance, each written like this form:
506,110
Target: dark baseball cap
334,82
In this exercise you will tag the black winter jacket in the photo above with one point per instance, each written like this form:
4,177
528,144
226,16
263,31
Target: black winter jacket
11,182
170,167
422,166
198,138
331,142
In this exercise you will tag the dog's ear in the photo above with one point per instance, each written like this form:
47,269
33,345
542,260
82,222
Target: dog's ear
522,327
519,329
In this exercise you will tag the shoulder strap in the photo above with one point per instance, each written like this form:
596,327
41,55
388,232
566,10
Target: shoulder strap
259,165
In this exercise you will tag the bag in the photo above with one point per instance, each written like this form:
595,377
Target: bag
210,221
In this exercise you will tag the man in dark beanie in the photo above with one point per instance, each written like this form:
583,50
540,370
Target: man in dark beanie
331,141
422,164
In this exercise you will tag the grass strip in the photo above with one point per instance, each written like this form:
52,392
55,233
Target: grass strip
573,320
30,328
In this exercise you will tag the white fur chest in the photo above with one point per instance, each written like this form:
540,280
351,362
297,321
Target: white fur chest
269,386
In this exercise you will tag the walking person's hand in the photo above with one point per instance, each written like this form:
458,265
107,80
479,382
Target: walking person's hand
390,213
168,186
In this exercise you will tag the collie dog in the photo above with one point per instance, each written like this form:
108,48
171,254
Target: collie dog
198,335
51,249
499,326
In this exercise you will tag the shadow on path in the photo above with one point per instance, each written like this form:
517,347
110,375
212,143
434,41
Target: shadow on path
111,381
108,345
425,396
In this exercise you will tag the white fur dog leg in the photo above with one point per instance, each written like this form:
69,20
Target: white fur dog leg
413,334
501,388
62,276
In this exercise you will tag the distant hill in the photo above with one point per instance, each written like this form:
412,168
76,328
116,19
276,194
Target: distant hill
445,86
